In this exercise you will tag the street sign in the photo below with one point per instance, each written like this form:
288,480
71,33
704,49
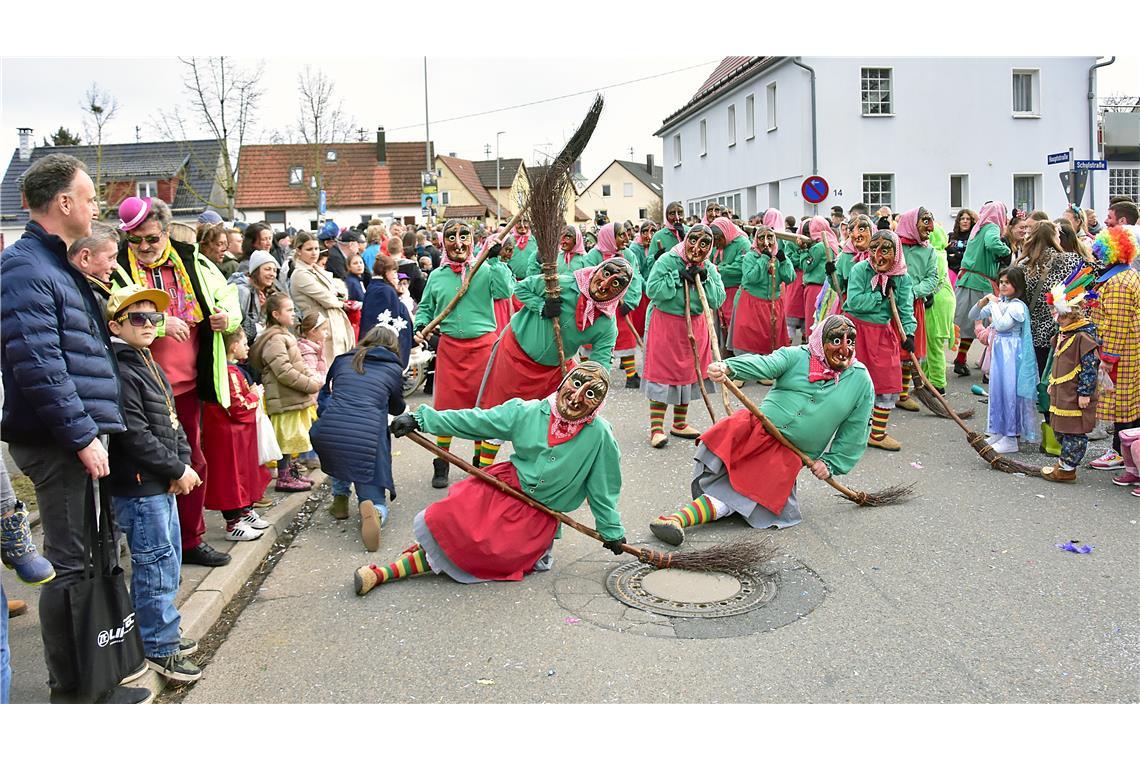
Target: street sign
814,189
1091,165
321,204
1082,180
1058,158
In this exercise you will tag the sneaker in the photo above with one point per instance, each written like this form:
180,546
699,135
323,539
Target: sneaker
18,552
286,483
240,531
991,440
1136,491
143,668
1109,461
1099,433
1127,479
1006,445
254,520
175,667
204,554
187,646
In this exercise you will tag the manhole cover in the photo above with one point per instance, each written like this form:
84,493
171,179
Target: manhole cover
683,593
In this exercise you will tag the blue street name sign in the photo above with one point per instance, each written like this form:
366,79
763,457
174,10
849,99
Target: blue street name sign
1058,158
1091,165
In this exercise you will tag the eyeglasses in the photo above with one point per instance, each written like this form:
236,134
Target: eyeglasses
150,239
141,318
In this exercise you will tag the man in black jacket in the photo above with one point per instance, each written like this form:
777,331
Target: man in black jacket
150,463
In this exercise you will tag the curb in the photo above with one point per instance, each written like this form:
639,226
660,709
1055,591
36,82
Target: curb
204,606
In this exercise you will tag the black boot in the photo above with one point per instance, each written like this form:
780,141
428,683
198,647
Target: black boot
961,370
439,479
633,382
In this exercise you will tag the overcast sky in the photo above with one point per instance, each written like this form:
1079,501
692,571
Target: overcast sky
45,93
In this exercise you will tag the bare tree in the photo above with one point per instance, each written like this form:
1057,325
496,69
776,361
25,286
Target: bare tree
223,99
653,211
321,121
1119,102
99,107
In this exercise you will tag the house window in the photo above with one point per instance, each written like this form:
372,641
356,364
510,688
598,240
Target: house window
731,126
627,189
445,197
1026,92
146,189
365,218
1025,191
677,149
275,217
1124,182
959,190
330,155
875,92
704,138
642,213
749,117
296,175
878,190
314,224
771,91
605,191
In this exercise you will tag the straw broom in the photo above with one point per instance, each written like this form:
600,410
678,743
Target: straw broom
713,342
737,556
976,440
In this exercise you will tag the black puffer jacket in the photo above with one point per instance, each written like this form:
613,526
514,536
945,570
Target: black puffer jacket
151,452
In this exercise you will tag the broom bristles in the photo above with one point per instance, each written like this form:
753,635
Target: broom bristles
734,557
923,394
884,497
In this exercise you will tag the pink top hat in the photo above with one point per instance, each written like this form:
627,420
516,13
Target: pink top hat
132,212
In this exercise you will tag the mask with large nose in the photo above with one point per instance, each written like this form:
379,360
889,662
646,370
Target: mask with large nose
582,391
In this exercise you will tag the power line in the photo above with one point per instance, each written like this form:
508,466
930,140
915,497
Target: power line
557,97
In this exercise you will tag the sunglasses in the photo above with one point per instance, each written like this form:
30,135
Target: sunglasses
150,239
141,318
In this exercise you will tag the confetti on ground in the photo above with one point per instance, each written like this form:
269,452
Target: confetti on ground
572,620
916,465
1069,546
485,682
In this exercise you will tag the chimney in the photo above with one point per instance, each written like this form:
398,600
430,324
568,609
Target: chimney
453,155
381,147
649,164
26,142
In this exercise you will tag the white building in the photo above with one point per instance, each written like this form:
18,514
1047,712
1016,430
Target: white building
944,133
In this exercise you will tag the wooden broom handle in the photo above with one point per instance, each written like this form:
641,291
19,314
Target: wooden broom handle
714,343
897,320
693,349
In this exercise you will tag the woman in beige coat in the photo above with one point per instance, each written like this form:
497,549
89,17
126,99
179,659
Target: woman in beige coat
315,290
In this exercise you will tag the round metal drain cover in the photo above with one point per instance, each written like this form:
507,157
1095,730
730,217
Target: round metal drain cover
683,593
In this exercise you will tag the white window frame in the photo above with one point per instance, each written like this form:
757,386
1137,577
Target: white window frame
330,155
1034,111
677,149
643,213
965,192
704,128
872,205
1037,190
1124,182
770,100
296,175
731,125
750,117
607,191
864,104
147,189
444,197
627,189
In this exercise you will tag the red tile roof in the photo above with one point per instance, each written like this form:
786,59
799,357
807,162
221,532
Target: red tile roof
729,70
354,179
478,211
467,175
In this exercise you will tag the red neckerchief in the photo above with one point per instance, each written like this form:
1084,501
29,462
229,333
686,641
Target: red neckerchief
522,240
562,430
819,370
580,312
459,267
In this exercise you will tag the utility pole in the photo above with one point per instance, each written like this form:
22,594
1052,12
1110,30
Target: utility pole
486,150
498,180
427,123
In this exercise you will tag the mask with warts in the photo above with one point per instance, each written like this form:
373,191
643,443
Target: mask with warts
582,391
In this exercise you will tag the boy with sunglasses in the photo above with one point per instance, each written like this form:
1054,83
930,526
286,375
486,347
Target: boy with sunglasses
150,464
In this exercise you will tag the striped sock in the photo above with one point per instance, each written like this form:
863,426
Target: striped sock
907,372
699,512
629,364
409,564
879,417
657,417
963,347
680,413
443,441
488,452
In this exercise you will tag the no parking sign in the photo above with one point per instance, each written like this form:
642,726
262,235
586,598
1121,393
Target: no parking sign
814,189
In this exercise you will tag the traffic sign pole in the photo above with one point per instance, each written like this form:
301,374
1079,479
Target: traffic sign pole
1072,176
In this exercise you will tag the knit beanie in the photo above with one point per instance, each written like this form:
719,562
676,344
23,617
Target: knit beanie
259,259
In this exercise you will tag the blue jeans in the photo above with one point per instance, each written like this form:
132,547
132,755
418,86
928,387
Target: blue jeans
5,655
151,526
364,492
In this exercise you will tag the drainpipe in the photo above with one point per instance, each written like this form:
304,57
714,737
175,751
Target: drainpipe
814,142
1092,123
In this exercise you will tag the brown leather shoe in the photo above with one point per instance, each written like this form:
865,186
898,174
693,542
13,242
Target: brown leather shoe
886,443
909,404
369,525
1058,474
16,608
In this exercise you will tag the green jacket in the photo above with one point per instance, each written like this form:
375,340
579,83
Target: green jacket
757,279
982,258
664,287
922,269
636,286
535,333
587,467
661,243
794,253
635,250
843,264
870,305
814,263
730,264
809,414
520,262
474,315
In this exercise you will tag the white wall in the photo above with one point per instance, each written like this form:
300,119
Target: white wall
301,218
950,116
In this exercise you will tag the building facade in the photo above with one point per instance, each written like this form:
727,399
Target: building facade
624,191
945,133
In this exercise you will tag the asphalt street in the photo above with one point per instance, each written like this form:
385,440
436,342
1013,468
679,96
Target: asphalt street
959,595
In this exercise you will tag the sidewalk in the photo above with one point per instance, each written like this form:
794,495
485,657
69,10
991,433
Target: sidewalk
202,595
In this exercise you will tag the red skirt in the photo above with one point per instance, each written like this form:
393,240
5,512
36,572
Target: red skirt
751,329
513,374
919,333
668,357
726,308
354,320
877,346
458,366
626,340
488,533
758,466
637,316
504,310
794,297
236,478
811,294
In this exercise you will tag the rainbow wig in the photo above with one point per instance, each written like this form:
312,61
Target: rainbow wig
1116,246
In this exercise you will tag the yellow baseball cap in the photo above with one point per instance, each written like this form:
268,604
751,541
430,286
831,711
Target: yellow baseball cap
124,297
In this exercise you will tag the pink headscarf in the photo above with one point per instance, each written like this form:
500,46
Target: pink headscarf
731,232
579,246
992,213
907,228
818,368
774,219
595,308
820,229
880,280
607,242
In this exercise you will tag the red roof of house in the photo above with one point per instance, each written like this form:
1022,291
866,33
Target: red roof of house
467,175
729,70
478,211
355,178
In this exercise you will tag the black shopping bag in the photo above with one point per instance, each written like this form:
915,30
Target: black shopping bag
106,641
